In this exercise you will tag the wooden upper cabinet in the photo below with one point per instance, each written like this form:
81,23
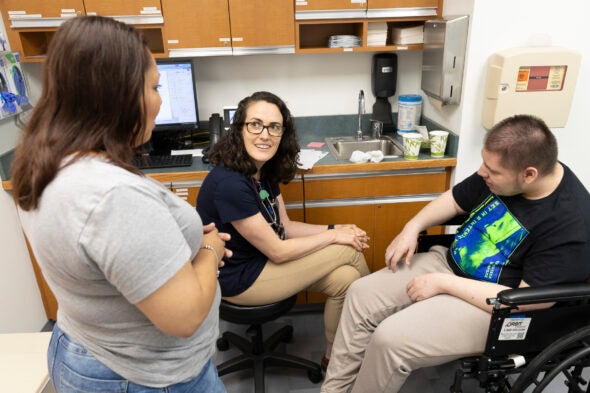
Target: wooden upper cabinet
200,25
119,8
145,15
256,24
330,9
308,5
41,9
403,8
135,12
401,3
30,24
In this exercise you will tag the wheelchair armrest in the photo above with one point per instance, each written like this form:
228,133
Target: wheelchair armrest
544,294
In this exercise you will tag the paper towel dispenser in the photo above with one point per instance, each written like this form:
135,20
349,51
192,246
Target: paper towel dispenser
444,57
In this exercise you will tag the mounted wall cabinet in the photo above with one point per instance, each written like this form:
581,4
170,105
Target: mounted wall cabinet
330,9
228,27
31,24
318,20
339,9
197,27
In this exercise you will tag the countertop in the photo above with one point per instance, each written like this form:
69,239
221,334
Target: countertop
309,130
23,362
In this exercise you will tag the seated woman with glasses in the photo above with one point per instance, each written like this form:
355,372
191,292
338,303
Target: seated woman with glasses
273,256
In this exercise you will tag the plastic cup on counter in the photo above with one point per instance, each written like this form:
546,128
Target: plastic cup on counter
412,142
438,143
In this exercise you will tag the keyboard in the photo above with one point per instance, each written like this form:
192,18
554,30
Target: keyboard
165,161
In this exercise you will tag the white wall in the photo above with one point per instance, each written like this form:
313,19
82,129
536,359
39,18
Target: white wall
500,24
312,85
327,84
21,309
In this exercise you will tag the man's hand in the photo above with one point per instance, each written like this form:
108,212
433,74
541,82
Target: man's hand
402,245
426,286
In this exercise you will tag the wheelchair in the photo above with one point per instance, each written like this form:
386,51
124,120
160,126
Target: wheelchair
532,350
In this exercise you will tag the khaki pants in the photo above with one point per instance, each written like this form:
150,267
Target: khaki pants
330,271
383,336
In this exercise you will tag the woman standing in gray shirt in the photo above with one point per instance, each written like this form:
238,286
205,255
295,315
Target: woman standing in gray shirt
131,266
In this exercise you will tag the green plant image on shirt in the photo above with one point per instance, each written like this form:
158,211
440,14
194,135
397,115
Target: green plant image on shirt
484,245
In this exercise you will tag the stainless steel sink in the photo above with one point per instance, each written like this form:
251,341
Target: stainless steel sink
342,147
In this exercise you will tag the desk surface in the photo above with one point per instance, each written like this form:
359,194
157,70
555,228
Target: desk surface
23,362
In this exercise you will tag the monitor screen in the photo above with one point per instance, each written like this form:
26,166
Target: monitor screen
179,96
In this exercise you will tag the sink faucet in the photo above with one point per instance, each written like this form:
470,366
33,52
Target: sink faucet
359,131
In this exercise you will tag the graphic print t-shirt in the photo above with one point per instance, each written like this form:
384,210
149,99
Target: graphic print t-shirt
509,239
484,245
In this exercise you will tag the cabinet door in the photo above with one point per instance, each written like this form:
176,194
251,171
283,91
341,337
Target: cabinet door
47,9
189,194
330,9
30,24
373,4
121,8
390,219
330,4
196,24
403,8
360,215
254,23
47,296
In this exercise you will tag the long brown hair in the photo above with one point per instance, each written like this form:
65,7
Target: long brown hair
231,151
91,102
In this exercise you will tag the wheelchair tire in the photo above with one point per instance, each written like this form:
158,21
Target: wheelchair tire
567,356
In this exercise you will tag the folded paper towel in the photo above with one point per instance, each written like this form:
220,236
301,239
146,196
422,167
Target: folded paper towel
308,157
370,156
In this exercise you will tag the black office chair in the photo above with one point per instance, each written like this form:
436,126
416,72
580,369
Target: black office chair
526,351
257,353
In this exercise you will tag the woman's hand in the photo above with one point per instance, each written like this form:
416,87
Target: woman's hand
352,235
211,235
357,231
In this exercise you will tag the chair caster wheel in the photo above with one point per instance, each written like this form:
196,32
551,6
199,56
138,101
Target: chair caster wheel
222,344
288,337
315,376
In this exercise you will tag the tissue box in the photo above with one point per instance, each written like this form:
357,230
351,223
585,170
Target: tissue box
404,35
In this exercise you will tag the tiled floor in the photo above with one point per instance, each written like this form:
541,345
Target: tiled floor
309,342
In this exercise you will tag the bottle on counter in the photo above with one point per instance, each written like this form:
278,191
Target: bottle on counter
409,112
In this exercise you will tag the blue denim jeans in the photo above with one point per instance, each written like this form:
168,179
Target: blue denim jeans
74,370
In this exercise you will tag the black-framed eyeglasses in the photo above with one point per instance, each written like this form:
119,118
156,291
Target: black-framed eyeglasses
256,128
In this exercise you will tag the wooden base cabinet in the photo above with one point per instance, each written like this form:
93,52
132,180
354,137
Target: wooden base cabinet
361,215
390,219
379,202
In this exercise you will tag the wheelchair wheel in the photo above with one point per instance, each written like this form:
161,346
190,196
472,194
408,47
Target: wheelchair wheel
567,357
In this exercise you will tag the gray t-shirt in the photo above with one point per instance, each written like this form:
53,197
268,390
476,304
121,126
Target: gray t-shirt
106,239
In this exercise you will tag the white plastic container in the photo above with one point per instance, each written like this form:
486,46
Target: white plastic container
409,111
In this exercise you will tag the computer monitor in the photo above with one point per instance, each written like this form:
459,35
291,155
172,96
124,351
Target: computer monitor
179,115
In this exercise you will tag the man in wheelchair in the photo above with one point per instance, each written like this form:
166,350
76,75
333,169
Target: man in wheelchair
527,226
